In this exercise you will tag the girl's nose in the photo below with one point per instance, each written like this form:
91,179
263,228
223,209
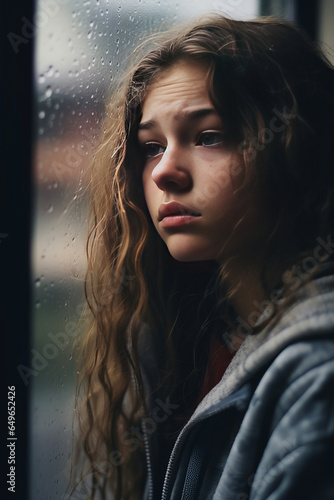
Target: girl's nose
173,173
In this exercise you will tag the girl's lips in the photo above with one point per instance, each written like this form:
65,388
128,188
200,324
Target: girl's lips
175,214
177,220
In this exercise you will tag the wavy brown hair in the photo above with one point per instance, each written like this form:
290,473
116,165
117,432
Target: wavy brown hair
274,89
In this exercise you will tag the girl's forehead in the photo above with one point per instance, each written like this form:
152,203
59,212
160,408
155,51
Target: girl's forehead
184,84
182,70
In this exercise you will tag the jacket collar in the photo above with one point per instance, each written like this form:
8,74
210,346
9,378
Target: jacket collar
310,315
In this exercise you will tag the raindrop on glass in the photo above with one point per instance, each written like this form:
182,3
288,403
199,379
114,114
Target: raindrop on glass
50,71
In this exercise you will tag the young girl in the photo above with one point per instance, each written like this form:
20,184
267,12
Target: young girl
208,370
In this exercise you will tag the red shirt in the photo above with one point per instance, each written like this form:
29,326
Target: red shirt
219,359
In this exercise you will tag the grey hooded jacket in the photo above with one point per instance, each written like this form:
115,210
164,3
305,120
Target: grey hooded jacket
266,430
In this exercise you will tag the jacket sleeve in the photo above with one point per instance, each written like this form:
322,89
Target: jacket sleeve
298,459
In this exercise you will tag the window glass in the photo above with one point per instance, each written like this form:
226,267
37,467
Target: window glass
80,51
281,8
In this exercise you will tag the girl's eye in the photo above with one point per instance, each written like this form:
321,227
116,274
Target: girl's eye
210,139
152,149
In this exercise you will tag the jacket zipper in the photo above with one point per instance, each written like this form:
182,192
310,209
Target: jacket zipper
233,400
174,455
192,474
148,465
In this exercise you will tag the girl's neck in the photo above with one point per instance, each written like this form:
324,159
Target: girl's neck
247,297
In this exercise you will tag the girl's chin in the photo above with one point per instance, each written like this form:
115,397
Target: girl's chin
191,247
191,256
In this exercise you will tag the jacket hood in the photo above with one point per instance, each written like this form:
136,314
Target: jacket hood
310,315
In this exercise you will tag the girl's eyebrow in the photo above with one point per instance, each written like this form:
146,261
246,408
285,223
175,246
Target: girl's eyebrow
184,115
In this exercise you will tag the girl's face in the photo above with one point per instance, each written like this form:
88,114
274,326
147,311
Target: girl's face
191,170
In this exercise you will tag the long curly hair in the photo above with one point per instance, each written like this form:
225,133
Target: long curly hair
274,89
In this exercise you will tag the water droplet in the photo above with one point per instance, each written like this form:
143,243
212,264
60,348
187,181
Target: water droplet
37,305
41,79
50,209
37,283
48,91
41,115
50,71
89,35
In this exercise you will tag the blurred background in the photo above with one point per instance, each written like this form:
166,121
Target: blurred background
80,50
